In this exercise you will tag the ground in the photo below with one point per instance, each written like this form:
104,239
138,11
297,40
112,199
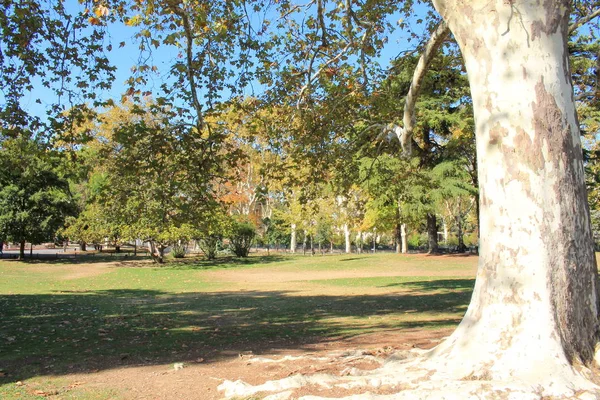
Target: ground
131,330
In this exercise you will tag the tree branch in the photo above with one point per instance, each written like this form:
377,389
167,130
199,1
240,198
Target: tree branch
435,41
583,21
190,62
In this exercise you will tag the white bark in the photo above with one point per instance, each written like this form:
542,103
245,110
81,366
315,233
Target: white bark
404,239
347,239
534,313
293,240
535,306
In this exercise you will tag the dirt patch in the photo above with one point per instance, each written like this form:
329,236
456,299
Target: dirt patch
72,271
282,275
199,380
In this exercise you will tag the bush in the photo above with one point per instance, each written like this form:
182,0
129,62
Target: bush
178,251
209,245
417,240
242,237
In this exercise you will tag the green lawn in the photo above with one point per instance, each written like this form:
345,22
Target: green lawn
62,318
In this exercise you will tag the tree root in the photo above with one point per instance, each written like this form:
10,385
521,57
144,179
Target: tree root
411,375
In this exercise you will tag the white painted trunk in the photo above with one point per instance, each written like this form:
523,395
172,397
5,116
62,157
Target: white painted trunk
293,239
534,311
347,239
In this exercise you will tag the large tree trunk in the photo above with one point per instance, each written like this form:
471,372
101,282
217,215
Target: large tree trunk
82,246
432,235
293,240
533,317
347,240
534,311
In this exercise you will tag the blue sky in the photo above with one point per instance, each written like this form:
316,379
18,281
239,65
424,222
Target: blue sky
124,58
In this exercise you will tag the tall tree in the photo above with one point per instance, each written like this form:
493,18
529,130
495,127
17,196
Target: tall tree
34,198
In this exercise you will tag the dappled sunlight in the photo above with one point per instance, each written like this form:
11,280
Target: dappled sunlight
93,330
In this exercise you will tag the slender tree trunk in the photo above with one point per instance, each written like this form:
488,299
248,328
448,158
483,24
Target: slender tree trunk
374,241
460,235
404,238
398,237
117,249
347,240
22,250
445,232
304,239
293,243
534,311
432,233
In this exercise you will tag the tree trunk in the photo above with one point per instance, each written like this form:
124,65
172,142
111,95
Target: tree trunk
534,311
432,234
304,243
460,235
293,243
117,249
161,254
22,250
374,241
82,246
445,232
348,242
404,239
398,237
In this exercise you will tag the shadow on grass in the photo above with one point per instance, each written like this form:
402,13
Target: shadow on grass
438,284
84,258
84,331
199,262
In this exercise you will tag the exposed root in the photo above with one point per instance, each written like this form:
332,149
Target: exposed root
410,375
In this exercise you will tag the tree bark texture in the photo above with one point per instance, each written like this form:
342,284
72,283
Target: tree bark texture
534,310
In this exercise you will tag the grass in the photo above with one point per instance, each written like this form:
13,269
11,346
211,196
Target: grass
60,318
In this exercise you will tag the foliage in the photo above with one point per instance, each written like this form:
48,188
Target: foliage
241,236
178,250
34,199
209,245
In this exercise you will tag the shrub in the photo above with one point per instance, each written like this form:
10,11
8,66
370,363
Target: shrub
242,237
209,245
178,251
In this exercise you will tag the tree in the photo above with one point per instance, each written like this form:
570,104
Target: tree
533,316
539,197
34,198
